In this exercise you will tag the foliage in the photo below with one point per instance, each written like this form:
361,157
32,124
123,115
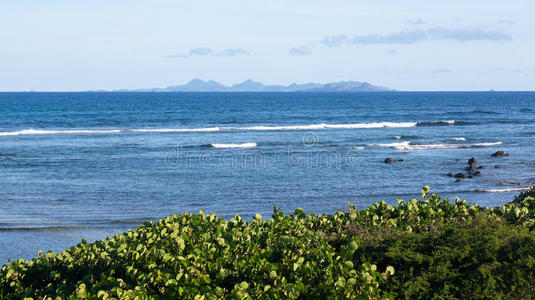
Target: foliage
429,248
200,255
521,210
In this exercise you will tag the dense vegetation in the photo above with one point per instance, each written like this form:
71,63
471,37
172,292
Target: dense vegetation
429,248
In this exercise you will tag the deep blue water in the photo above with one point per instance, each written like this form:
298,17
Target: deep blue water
76,165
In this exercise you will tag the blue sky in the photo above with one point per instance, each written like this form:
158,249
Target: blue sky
408,45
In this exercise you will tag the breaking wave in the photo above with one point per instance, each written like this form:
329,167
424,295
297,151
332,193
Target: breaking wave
437,123
328,126
37,131
244,145
163,130
501,190
408,146
212,129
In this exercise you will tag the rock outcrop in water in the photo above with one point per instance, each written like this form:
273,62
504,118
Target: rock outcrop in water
500,154
473,170
472,161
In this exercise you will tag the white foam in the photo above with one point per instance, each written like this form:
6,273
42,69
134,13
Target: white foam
244,145
393,145
501,190
407,146
444,146
327,126
462,139
373,125
36,131
448,122
208,129
211,129
268,128
485,144
358,148
397,137
426,147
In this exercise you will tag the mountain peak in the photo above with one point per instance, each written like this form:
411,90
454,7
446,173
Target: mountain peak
248,86
197,85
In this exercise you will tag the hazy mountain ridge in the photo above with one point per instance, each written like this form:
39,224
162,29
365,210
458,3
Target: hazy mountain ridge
199,85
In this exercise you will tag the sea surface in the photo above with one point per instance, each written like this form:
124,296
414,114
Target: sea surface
89,165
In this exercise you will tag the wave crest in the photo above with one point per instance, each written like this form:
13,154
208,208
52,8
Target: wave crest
437,123
244,145
163,130
501,190
212,129
407,146
37,131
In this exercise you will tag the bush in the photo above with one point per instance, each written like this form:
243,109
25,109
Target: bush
429,248
192,255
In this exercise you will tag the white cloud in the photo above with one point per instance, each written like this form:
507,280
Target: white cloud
302,50
407,37
210,52
442,71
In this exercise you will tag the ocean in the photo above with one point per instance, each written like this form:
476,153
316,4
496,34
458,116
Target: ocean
89,165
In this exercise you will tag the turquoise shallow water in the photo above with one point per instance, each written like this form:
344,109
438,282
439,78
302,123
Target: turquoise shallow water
76,165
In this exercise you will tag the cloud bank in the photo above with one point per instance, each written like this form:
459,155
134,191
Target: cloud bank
442,71
302,50
417,22
407,37
414,36
210,52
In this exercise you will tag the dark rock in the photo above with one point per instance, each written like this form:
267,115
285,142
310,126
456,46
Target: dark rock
470,176
458,180
460,175
481,167
401,160
500,153
471,168
389,160
477,173
496,167
450,175
472,161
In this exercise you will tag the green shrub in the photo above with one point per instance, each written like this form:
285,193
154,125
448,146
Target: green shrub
521,210
201,255
429,248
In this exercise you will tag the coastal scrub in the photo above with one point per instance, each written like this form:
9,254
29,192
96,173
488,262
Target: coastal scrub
428,248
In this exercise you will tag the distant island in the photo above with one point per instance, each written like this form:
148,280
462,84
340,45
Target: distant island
198,85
